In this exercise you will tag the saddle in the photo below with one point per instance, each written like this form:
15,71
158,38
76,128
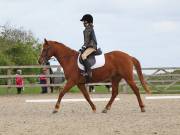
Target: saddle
91,58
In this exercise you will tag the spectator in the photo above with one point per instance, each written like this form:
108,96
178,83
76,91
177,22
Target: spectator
19,81
43,80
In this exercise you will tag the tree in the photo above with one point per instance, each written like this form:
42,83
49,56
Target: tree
20,47
4,60
17,34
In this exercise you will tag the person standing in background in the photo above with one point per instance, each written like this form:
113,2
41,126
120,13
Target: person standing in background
43,80
19,81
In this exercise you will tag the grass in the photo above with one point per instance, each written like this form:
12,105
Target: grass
99,90
5,91
37,90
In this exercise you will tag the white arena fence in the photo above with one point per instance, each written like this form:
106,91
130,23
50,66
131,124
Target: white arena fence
161,78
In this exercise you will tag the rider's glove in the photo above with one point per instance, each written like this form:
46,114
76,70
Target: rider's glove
80,50
83,48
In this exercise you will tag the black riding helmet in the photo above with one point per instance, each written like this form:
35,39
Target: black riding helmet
87,18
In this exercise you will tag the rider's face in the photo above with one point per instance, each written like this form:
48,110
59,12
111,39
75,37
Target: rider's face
85,23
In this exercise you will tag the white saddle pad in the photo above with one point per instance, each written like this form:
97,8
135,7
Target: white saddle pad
100,61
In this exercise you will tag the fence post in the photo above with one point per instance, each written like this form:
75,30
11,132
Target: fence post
48,79
9,81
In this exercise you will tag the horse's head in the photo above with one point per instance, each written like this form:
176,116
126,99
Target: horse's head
46,53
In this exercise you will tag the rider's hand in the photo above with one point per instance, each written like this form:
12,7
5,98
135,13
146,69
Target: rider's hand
80,50
83,47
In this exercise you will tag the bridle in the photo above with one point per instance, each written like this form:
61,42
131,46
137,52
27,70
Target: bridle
46,58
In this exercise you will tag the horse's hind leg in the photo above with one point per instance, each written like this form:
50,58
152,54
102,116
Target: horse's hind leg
115,85
135,89
86,95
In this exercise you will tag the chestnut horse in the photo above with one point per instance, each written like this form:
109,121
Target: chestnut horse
118,65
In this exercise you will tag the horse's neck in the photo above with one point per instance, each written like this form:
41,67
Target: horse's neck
65,56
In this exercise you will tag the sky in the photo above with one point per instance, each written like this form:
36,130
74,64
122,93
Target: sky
146,29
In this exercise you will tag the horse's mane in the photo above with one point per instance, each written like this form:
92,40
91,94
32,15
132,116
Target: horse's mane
61,44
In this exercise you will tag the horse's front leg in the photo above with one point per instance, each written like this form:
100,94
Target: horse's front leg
66,88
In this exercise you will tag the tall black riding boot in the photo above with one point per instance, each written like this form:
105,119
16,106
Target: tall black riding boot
87,68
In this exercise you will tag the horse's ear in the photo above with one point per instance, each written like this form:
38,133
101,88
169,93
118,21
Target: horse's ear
45,41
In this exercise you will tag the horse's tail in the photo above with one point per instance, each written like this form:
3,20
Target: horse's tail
140,75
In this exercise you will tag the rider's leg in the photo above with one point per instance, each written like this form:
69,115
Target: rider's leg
87,52
84,56
87,67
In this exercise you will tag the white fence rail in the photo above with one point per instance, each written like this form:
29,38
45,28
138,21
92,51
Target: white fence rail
156,77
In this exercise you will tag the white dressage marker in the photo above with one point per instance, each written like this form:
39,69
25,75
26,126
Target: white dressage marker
67,100
163,97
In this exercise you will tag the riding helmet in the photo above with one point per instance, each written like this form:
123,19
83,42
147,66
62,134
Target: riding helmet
88,18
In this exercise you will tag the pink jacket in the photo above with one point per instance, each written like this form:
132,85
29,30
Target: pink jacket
43,77
19,81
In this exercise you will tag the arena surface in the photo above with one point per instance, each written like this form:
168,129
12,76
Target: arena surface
162,117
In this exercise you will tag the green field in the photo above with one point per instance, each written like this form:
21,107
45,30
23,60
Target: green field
99,89
4,91
37,90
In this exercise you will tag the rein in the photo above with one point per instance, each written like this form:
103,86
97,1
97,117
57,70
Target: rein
45,55
60,57
66,56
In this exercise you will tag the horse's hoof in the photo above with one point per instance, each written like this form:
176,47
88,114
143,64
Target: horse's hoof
104,111
55,111
94,111
143,110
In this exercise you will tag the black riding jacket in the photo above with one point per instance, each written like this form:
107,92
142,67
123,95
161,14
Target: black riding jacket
90,37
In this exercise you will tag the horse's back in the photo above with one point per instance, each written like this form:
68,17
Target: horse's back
119,55
119,61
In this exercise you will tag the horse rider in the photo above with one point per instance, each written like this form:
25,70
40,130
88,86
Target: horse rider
90,43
